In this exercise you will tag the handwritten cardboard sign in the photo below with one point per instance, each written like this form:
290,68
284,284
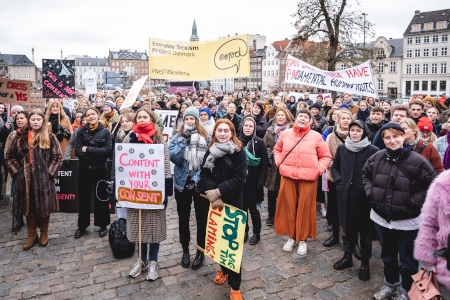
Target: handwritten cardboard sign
225,232
357,80
36,102
15,92
140,179
58,78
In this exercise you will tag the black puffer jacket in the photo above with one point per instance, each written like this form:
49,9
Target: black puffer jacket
392,195
99,146
372,128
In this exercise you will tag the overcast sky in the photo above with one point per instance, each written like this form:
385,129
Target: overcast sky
91,27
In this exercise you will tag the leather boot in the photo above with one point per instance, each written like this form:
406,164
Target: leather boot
32,235
198,260
43,238
344,263
364,272
331,241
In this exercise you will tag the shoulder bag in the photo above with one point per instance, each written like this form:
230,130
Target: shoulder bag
424,287
293,147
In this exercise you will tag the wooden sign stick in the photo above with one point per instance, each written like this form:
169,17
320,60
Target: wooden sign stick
140,241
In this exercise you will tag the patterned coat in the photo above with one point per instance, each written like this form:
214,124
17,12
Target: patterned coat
40,175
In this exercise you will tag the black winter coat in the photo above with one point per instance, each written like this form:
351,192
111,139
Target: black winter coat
392,195
372,128
98,150
321,123
347,173
261,125
229,179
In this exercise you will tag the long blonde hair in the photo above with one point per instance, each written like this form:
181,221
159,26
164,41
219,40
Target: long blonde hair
42,137
200,128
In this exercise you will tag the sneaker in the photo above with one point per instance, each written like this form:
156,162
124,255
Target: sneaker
134,272
324,212
302,248
401,297
152,271
235,295
289,245
385,292
220,278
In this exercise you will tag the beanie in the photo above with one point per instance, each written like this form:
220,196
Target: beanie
391,125
161,103
316,105
171,97
191,111
320,95
205,109
344,105
429,99
119,98
425,124
110,98
108,103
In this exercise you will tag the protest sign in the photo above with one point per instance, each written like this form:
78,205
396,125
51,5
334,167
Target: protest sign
168,117
223,58
357,80
225,232
140,176
90,82
134,92
36,102
58,78
311,96
70,104
15,92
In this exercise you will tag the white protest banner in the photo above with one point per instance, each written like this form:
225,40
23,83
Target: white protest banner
134,92
90,82
140,179
168,117
357,80
311,96
70,104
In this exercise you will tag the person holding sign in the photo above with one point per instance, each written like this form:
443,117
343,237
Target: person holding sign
153,221
222,178
33,159
59,123
93,146
187,149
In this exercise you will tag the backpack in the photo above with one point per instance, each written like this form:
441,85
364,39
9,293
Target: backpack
120,245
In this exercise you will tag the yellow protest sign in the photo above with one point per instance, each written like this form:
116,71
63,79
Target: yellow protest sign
223,58
225,236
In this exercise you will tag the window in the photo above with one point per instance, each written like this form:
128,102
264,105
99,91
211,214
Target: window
442,85
417,53
380,84
424,85
80,63
264,73
408,69
393,68
415,27
425,69
444,51
18,76
380,53
426,39
89,63
434,52
433,85
429,26
276,62
259,74
272,63
416,86
271,73
426,52
444,37
433,68
444,68
342,67
381,67
435,38
282,61
441,24
276,72
409,41
417,39
264,63
416,69
408,53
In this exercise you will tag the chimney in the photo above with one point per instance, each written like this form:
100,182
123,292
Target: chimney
285,39
32,55
254,44
135,51
390,38
417,12
236,33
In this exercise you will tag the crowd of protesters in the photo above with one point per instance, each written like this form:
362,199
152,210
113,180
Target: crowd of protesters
372,169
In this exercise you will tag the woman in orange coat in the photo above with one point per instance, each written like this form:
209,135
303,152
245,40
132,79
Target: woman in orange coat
301,156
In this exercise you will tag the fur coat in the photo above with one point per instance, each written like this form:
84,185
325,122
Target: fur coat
435,227
38,177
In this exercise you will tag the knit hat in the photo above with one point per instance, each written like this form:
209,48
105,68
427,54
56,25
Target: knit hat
320,95
108,103
326,97
429,99
191,111
161,103
119,98
425,124
171,97
391,125
316,105
205,109
110,98
344,105
260,105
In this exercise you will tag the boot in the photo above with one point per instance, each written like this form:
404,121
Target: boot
32,235
331,241
364,272
43,238
344,263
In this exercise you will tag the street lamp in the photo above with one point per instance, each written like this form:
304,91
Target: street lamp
364,15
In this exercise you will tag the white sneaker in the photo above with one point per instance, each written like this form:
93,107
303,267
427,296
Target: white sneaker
289,245
324,212
134,272
152,271
386,292
302,248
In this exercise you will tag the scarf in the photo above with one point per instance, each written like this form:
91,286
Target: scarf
218,150
398,152
363,115
144,132
108,117
447,153
93,127
356,146
414,143
54,120
195,148
279,129
75,125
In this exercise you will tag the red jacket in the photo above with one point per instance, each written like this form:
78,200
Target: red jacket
432,155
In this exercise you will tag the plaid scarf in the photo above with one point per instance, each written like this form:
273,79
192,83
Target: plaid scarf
195,148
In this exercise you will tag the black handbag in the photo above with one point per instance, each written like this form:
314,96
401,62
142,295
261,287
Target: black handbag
270,157
120,245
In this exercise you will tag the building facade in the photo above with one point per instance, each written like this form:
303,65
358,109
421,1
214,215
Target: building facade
426,59
134,63
85,63
271,64
19,66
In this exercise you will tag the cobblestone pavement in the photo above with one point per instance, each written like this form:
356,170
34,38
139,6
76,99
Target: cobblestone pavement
86,269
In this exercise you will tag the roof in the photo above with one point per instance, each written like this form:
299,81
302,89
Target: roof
281,45
94,61
258,53
16,60
194,36
127,54
429,16
397,44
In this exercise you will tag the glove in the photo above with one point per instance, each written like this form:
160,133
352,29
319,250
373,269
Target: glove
186,134
190,185
67,134
213,195
59,136
60,128
66,162
218,203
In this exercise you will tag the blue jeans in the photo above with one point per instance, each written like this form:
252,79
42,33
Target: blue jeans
396,243
152,254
